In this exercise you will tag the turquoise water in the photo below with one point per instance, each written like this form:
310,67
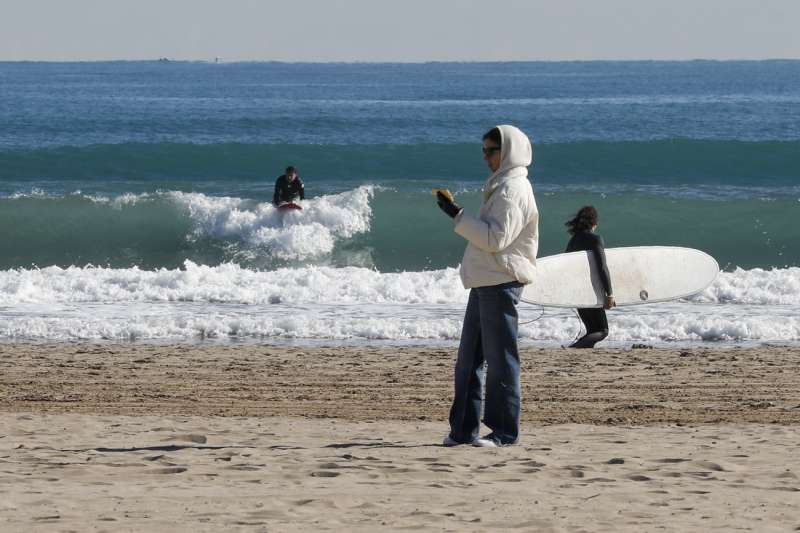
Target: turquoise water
670,162
406,233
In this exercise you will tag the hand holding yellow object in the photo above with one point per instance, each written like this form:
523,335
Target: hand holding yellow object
446,202
446,193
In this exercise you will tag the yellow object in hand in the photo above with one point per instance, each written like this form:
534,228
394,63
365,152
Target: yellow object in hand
446,192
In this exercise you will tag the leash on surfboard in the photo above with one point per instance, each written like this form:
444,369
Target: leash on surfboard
541,314
580,326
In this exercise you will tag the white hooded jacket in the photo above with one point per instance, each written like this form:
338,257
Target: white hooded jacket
504,237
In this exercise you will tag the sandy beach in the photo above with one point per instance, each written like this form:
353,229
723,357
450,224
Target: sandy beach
102,437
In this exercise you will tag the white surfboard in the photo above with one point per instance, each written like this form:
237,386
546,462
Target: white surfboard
639,275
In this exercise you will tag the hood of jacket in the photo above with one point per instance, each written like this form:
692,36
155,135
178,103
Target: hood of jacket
516,155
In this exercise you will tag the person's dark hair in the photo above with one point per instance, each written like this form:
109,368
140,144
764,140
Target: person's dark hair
583,220
290,170
494,136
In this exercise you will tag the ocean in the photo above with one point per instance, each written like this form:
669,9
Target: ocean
135,196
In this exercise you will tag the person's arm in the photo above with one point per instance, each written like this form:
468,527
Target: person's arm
503,223
569,245
276,198
598,249
302,189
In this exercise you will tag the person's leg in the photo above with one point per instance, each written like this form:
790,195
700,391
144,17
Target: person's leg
596,328
466,409
499,322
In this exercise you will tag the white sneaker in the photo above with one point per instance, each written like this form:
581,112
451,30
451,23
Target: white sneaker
480,442
449,442
484,443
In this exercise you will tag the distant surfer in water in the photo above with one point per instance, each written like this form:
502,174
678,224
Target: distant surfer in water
289,187
503,240
582,227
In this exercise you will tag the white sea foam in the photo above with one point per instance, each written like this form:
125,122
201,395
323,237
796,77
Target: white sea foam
285,235
390,322
322,303
34,192
228,283
777,286
676,322
190,322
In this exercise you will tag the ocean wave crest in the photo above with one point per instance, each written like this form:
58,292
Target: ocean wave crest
314,303
228,283
164,228
294,235
757,286
233,284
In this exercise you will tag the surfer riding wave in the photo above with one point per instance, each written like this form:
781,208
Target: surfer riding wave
288,188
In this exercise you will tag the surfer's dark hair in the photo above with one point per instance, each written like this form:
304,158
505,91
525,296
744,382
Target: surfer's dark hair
494,136
290,170
584,220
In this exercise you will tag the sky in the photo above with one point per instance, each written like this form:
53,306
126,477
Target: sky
401,30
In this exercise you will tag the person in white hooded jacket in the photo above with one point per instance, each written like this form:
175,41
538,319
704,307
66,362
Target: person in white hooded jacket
499,260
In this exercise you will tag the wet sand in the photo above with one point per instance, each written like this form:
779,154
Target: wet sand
641,386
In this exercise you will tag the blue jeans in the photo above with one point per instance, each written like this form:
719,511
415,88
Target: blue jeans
489,334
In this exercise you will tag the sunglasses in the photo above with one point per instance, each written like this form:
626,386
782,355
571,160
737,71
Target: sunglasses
489,150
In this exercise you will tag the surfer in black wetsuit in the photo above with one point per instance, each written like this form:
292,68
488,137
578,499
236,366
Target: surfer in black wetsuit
583,238
288,188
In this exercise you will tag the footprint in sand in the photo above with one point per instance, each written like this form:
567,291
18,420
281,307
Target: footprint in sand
163,460
716,467
531,463
324,473
197,439
47,518
244,468
329,466
169,470
575,471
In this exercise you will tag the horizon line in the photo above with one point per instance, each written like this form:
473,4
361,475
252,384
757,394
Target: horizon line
219,60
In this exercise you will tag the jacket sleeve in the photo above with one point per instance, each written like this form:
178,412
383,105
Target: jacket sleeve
598,249
302,190
499,228
277,196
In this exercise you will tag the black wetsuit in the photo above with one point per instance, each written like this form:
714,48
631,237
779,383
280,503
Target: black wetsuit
594,319
288,191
